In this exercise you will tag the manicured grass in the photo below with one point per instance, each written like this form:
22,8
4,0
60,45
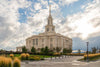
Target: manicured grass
93,59
41,56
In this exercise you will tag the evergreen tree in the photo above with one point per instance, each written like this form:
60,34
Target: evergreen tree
33,50
94,50
46,50
79,51
24,50
42,50
65,50
58,49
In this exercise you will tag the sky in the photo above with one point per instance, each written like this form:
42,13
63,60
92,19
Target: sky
77,19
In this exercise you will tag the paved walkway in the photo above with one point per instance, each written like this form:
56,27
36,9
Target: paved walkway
61,62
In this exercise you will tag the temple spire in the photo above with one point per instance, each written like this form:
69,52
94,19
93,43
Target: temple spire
50,27
49,10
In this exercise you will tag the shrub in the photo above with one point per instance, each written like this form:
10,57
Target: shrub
27,56
12,56
34,58
16,62
75,54
5,62
23,56
91,56
56,54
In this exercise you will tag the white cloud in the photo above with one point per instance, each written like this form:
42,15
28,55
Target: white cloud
37,6
13,33
84,24
9,25
67,2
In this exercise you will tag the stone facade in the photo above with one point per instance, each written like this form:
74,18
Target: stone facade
49,38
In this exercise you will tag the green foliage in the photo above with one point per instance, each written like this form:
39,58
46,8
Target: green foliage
94,50
24,50
79,51
58,49
64,50
34,58
46,50
69,50
33,50
42,50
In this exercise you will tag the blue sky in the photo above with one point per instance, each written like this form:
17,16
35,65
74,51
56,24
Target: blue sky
77,19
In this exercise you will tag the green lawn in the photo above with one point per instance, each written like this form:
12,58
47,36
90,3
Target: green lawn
41,56
93,59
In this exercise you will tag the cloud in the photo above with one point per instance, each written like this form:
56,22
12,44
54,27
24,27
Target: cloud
83,24
9,24
37,6
67,2
13,33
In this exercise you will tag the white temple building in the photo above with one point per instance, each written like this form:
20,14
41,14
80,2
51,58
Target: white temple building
49,38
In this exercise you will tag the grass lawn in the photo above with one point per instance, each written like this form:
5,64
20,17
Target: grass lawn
93,59
41,56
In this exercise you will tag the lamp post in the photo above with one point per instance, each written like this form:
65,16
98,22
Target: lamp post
87,51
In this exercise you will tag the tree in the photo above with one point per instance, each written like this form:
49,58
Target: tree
33,50
46,50
58,49
94,50
24,50
79,51
65,50
70,50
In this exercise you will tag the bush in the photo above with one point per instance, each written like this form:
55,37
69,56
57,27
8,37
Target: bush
12,56
27,56
23,56
5,62
91,56
34,58
56,54
76,54
16,62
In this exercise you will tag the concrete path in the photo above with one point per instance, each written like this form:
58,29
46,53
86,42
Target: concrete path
61,62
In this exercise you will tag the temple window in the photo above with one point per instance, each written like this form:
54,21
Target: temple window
36,41
33,41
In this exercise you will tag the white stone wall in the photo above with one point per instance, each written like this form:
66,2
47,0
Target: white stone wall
43,41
